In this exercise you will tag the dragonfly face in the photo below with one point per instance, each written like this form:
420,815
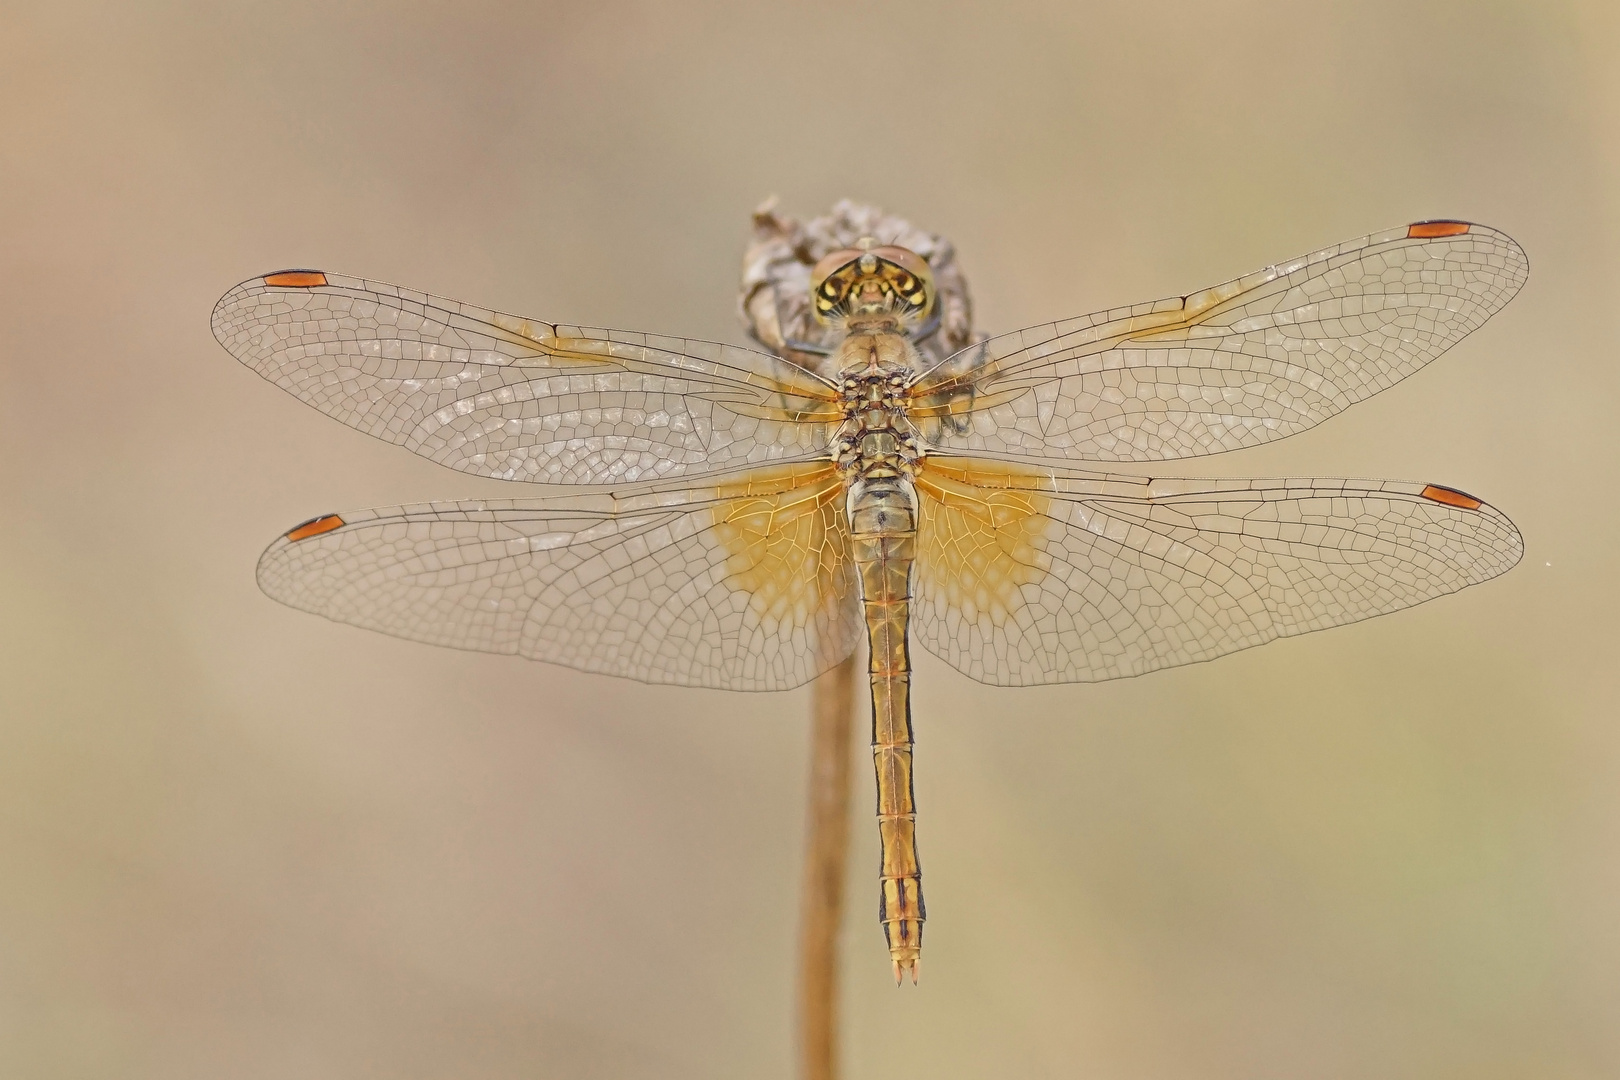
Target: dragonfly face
873,288
766,517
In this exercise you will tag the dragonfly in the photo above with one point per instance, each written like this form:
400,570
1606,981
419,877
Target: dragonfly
749,519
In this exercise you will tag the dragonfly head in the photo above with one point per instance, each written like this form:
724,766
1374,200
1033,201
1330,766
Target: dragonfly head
872,287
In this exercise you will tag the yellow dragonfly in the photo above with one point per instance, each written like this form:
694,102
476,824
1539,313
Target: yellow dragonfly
757,515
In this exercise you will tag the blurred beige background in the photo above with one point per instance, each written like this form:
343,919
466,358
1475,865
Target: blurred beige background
239,841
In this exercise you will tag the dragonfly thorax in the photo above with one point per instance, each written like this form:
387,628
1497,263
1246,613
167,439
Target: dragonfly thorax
876,438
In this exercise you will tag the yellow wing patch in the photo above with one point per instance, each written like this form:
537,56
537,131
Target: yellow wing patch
569,350
981,534
785,540
801,402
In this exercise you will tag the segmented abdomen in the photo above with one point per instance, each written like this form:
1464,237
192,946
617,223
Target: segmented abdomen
883,528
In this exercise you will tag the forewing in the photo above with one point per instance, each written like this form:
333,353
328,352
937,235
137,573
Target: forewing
744,586
1027,577
514,398
1247,362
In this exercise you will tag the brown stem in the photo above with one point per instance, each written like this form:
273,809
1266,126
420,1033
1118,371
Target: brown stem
832,719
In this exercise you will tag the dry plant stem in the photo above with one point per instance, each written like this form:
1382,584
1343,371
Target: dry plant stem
825,859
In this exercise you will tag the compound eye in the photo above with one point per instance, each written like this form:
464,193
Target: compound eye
919,293
831,264
906,258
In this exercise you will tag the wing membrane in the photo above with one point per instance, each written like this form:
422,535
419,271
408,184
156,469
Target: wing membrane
743,586
498,395
1064,576
1256,359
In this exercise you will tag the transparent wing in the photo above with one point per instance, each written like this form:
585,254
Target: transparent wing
744,586
1247,362
1027,578
498,395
